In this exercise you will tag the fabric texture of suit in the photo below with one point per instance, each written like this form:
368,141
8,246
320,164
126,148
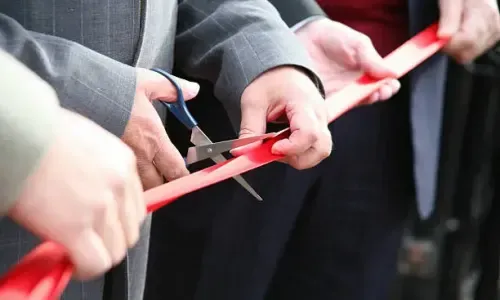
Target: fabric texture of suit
326,233
28,118
87,51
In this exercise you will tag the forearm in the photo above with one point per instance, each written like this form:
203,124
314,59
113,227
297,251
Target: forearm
28,119
85,81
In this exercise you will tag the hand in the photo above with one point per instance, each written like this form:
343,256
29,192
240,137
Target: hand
85,195
157,157
341,54
473,27
290,91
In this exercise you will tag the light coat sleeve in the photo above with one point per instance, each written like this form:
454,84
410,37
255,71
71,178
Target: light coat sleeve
28,119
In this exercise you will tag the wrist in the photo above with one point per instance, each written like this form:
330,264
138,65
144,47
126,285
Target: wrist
314,30
306,74
306,22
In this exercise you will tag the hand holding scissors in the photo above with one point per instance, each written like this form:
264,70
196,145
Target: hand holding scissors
157,158
205,148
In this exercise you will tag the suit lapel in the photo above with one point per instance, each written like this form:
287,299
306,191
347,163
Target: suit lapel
159,19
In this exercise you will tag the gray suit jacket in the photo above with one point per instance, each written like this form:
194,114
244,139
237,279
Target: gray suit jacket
427,97
87,49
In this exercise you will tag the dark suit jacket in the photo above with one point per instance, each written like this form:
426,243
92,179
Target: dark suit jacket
87,51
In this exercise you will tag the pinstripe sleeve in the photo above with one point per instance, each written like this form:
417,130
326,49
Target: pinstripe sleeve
85,81
230,43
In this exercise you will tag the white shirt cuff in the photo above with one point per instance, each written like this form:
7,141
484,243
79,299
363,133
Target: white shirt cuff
305,22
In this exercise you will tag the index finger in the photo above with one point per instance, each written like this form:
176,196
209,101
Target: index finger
158,87
169,161
450,17
304,127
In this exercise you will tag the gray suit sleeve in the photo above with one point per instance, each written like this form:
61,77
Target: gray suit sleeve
230,43
28,118
86,82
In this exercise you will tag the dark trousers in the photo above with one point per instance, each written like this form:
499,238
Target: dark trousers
331,232
489,240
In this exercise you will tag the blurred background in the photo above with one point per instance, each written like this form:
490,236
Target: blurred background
455,254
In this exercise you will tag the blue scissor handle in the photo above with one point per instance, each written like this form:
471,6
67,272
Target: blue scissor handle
178,108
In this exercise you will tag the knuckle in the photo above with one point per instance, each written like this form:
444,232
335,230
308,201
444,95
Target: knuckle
102,205
326,151
469,42
364,41
321,114
246,131
465,57
142,165
129,156
312,135
135,238
118,182
496,31
122,161
495,23
298,165
84,272
176,173
304,165
323,150
143,212
119,255
133,168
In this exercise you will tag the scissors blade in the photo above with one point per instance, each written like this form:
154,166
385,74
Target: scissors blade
199,138
202,152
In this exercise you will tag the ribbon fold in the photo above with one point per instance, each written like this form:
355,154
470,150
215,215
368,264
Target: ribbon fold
45,272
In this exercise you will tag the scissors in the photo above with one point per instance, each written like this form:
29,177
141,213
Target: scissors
202,152
204,147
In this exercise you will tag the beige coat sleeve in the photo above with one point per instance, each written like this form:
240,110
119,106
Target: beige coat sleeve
28,116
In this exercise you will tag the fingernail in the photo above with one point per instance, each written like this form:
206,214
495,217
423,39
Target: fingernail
442,30
445,32
192,89
396,84
277,149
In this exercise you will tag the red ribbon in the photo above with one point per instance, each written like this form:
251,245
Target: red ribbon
44,273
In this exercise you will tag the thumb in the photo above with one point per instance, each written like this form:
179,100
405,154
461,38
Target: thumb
372,63
189,89
253,122
158,87
450,17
